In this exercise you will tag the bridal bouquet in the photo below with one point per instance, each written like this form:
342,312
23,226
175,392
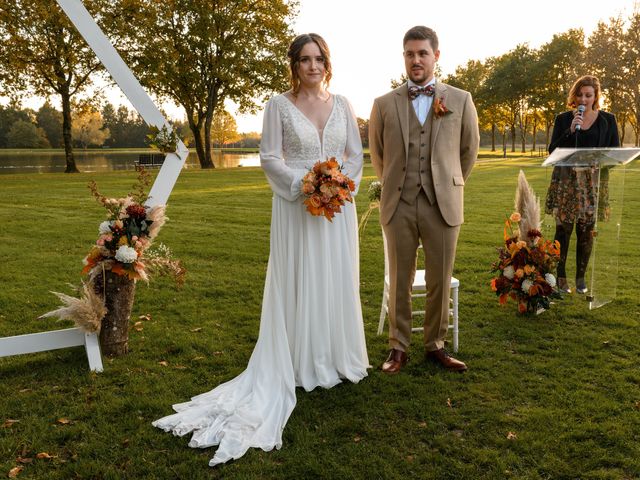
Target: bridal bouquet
326,189
526,261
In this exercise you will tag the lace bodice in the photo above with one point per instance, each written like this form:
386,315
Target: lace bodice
291,144
302,144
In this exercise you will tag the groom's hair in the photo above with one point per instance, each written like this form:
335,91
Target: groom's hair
421,33
294,52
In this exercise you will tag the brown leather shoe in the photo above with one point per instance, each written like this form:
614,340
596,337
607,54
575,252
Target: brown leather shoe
396,360
445,360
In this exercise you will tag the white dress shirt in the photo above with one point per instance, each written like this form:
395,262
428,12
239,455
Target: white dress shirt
422,103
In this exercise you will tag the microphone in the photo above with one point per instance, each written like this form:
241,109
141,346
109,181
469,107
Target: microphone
581,109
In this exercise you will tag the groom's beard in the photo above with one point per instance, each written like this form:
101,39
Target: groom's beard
418,76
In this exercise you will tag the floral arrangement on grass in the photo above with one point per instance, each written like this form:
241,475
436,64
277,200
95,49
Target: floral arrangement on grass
326,189
162,139
125,235
527,261
121,248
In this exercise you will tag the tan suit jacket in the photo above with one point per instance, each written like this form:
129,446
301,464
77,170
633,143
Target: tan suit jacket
454,148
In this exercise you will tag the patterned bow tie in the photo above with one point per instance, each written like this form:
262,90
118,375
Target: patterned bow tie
415,91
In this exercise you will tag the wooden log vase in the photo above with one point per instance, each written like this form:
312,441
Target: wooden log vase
119,292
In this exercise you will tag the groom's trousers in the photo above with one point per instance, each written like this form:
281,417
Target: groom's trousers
410,224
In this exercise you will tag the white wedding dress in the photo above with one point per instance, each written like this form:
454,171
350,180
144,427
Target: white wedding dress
311,329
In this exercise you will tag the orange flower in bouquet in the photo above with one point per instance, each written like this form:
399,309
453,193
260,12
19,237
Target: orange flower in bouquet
326,189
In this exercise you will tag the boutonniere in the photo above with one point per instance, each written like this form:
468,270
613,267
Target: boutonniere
439,108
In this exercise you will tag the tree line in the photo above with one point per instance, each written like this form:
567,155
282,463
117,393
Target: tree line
197,54
201,54
107,127
518,94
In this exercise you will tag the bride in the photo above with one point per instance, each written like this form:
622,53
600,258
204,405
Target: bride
311,330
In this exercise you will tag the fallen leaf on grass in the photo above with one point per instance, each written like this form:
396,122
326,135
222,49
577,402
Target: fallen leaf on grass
14,472
44,456
146,317
422,424
63,421
164,363
24,390
200,357
449,404
218,353
125,442
356,439
9,422
138,326
638,405
199,329
511,436
24,460
180,367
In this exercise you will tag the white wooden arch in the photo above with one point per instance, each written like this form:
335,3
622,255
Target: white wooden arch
159,194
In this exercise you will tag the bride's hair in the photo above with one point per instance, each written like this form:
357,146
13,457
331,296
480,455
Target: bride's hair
294,57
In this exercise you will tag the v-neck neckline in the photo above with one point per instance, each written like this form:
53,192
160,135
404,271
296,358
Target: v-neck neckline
324,127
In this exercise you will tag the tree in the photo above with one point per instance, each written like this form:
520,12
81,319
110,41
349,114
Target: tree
50,120
23,134
8,116
363,127
558,65
509,86
395,83
127,127
606,54
43,53
88,128
472,78
250,140
632,61
224,128
201,53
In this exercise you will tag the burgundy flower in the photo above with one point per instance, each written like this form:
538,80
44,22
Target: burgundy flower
136,211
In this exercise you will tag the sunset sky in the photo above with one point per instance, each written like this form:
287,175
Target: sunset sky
365,37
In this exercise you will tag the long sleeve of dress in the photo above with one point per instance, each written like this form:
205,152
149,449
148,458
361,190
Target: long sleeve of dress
352,163
284,181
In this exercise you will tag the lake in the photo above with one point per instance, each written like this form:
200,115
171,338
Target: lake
36,161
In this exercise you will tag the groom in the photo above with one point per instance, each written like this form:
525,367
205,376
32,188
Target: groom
423,139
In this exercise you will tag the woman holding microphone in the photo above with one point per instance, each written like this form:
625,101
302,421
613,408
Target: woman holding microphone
572,195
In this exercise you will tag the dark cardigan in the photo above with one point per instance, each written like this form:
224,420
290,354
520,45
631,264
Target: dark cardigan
562,136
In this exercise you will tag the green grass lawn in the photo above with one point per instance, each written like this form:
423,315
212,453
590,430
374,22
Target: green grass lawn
554,396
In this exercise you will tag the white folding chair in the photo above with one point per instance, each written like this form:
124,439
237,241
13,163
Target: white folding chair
418,290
